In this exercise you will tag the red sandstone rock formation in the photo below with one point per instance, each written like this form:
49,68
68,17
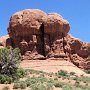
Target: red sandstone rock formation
40,33
40,36
3,41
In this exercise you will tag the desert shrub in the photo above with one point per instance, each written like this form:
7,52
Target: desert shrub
67,87
74,78
87,71
72,73
50,74
33,80
9,60
20,84
31,71
71,87
77,83
49,86
4,79
55,78
50,80
42,75
57,83
85,87
16,85
5,88
62,73
38,83
23,85
82,78
20,73
28,82
42,79
38,86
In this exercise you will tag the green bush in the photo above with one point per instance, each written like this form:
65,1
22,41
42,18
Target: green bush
7,79
57,84
28,82
20,73
4,79
23,85
62,73
41,79
16,85
49,86
9,60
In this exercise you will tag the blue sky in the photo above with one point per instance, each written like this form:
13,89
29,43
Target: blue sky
77,12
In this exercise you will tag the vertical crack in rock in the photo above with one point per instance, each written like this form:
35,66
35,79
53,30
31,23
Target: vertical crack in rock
42,40
63,43
47,28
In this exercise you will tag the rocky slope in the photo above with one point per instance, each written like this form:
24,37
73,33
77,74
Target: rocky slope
45,36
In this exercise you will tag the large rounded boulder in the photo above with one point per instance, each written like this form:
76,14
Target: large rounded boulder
28,22
25,23
34,30
54,22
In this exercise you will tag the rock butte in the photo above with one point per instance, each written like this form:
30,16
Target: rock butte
45,36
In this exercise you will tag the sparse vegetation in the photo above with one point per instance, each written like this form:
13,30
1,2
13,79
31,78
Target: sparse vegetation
83,79
6,88
42,82
87,71
36,80
57,84
62,73
4,79
16,85
72,73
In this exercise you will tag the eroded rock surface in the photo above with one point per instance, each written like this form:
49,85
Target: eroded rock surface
5,41
40,33
41,36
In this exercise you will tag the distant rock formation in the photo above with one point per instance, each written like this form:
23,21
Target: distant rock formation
41,36
3,41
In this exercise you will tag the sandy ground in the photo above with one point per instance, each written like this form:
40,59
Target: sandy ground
51,66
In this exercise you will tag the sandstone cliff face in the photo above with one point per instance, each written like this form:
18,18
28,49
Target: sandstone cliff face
35,31
41,36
